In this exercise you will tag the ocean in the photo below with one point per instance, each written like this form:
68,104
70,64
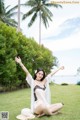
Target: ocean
70,79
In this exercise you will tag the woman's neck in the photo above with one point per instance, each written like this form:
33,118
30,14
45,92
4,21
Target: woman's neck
37,80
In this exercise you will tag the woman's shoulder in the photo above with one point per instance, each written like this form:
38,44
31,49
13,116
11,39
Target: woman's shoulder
29,79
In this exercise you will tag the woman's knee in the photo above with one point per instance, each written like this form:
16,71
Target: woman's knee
45,109
59,105
43,106
56,107
39,108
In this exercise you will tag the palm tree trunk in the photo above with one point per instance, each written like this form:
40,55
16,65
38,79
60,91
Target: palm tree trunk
39,28
18,15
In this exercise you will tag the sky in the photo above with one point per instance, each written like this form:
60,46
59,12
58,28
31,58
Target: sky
61,37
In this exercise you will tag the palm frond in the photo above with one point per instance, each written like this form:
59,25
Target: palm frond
53,5
31,3
13,14
29,13
5,14
7,7
46,11
32,19
44,20
12,9
9,21
2,8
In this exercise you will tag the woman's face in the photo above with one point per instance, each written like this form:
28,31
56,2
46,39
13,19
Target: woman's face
39,75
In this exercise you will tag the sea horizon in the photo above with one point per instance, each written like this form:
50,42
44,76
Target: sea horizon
69,79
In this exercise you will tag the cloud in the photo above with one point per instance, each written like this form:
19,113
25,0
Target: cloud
64,44
66,29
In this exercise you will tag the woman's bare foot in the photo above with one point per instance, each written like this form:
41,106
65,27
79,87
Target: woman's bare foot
55,113
40,115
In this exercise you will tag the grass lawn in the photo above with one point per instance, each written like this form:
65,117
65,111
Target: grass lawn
69,95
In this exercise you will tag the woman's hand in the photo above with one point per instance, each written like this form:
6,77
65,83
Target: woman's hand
62,67
18,59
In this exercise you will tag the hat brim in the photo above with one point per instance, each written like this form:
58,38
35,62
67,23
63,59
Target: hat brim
22,117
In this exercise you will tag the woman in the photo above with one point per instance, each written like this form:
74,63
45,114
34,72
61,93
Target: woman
40,94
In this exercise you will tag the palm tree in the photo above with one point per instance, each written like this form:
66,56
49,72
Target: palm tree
18,15
39,8
6,14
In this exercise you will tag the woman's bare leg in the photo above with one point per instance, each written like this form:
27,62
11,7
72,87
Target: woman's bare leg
41,109
55,107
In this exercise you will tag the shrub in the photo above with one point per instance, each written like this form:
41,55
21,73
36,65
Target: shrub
64,84
78,83
13,43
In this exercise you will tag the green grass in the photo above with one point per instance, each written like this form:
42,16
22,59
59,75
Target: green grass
69,95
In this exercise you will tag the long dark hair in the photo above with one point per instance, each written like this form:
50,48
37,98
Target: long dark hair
39,69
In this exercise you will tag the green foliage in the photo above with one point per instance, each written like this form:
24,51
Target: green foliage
13,43
78,83
64,84
39,8
7,52
6,14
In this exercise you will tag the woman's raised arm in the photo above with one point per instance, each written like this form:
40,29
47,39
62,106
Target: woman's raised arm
18,60
60,68
48,77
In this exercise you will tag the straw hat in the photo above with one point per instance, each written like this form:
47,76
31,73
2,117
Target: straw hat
25,114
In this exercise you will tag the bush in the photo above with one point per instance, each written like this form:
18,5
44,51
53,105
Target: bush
64,84
78,83
13,43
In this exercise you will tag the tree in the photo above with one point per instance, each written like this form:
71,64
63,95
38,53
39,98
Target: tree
39,8
13,43
6,14
18,15
78,71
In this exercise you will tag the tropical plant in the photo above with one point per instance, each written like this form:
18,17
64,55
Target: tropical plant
6,14
18,15
39,8
78,71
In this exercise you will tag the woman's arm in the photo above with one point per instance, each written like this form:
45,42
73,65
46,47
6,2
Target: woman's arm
18,60
48,78
61,68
